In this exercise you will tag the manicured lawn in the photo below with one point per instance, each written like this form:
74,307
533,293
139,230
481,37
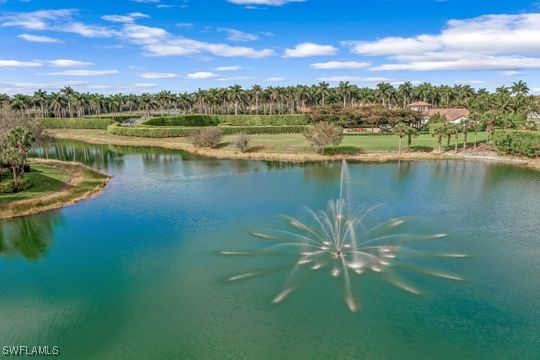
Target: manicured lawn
283,143
352,144
45,179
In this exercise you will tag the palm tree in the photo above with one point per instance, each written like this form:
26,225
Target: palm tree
344,90
68,92
438,130
323,90
20,103
257,91
405,91
40,99
385,91
520,88
401,131
236,94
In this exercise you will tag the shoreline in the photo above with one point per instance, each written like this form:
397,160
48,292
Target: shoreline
81,176
175,144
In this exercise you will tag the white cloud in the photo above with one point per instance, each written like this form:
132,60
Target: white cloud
511,73
13,64
68,63
30,87
238,35
351,65
228,68
36,20
56,20
308,49
202,75
470,62
128,18
263,2
154,41
155,75
88,30
83,73
158,42
354,79
38,38
275,79
470,82
490,42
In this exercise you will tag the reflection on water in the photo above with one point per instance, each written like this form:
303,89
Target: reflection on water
29,237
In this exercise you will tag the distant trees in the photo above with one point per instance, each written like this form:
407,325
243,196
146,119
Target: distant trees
322,135
364,116
514,100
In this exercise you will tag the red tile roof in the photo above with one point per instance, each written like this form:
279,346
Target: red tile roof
451,114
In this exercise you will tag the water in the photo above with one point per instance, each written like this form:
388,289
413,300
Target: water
138,272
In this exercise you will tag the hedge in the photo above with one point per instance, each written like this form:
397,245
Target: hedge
518,142
184,120
9,187
264,120
233,120
162,131
77,123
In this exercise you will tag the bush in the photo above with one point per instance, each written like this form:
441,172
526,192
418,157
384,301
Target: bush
231,120
9,187
515,142
242,142
184,120
263,120
209,137
77,123
163,132
323,135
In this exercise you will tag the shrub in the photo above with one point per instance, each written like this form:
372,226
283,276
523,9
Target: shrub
231,120
515,142
242,142
77,123
184,120
209,137
179,131
323,135
9,187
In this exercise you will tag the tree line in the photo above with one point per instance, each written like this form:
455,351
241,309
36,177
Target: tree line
257,100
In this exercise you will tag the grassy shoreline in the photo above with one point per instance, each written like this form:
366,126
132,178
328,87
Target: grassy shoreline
57,184
281,150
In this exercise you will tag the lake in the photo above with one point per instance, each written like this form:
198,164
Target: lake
138,272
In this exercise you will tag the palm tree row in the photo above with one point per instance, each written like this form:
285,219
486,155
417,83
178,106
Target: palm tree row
272,100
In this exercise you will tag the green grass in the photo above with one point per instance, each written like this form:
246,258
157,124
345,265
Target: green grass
52,188
45,179
352,144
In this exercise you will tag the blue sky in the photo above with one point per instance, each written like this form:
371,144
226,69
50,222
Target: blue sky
182,45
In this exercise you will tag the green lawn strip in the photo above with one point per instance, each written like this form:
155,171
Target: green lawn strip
45,179
51,179
352,144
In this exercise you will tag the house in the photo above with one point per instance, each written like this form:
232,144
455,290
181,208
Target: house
420,106
534,116
455,116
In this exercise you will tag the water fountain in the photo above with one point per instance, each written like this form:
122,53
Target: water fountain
340,242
